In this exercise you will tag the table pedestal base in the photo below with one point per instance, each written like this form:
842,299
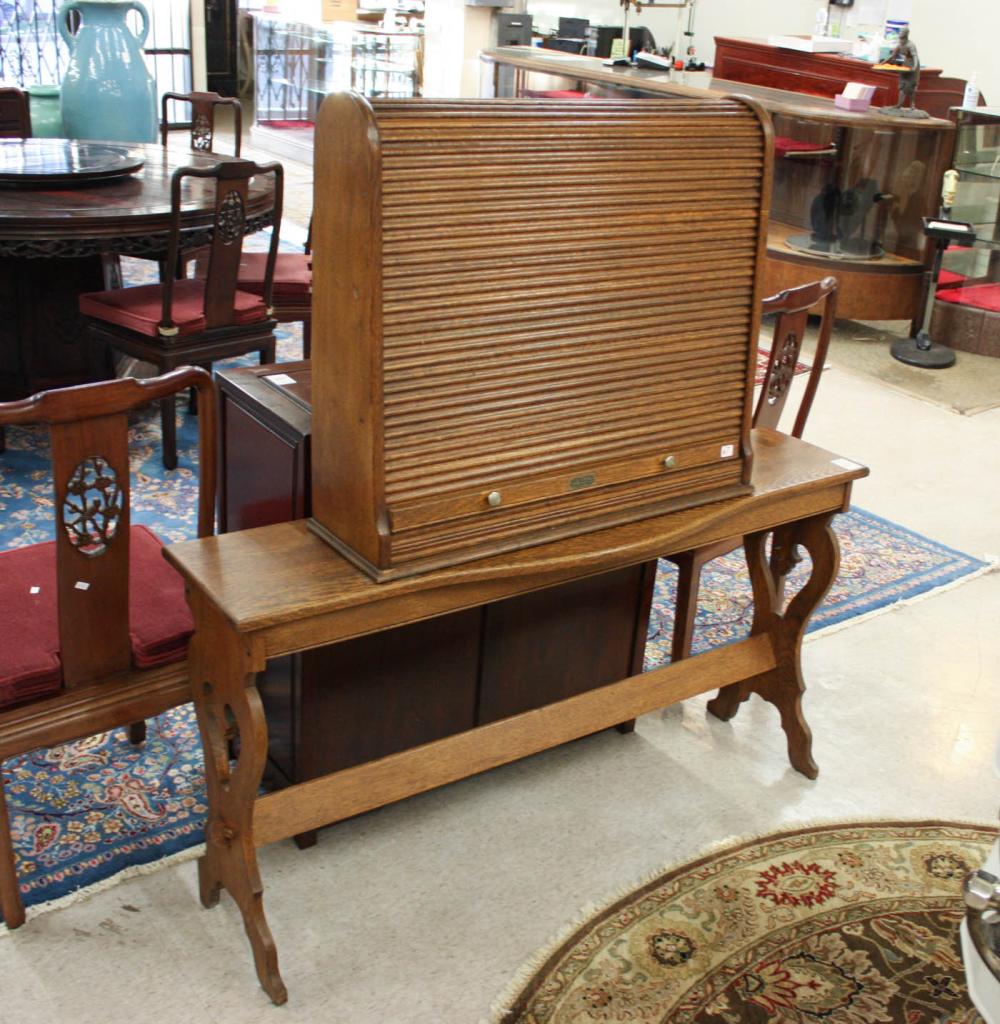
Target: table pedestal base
43,343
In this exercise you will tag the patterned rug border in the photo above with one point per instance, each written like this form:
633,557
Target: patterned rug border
550,951
81,895
954,579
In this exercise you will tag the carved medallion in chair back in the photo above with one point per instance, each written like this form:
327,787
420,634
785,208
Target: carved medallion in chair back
203,106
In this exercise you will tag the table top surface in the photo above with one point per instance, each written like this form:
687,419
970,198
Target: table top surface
276,575
775,101
57,163
137,204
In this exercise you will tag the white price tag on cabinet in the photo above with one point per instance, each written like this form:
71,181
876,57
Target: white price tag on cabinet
727,451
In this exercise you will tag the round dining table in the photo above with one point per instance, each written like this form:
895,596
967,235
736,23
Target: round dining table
61,231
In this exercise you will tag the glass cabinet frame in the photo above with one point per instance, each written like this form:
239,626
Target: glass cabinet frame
297,63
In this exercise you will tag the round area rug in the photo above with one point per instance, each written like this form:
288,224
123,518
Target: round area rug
841,924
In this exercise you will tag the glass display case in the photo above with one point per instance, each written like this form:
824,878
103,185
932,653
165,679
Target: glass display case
967,310
296,63
977,160
850,189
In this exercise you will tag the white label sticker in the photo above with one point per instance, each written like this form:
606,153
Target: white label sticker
846,464
80,585
281,378
35,590
727,451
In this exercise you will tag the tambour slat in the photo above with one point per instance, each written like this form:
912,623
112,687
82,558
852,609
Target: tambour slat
558,435
609,364
536,299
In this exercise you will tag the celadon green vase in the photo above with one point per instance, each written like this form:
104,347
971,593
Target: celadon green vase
107,91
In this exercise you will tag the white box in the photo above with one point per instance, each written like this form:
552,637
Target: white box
812,44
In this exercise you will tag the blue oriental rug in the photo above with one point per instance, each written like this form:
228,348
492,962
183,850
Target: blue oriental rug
92,812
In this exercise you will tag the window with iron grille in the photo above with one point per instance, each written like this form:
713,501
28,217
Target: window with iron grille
32,52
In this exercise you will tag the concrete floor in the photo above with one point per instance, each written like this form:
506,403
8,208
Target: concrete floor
420,913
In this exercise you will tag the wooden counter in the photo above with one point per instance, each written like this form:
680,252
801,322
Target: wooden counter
757,62
901,159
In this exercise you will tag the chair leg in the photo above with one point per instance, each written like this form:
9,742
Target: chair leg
111,270
307,840
686,608
307,332
137,733
168,423
268,354
10,895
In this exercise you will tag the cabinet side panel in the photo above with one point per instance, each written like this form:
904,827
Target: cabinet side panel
347,325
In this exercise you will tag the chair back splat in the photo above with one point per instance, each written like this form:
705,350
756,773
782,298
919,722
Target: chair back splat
202,124
88,427
793,307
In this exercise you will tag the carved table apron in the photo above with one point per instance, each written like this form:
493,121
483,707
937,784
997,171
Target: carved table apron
56,244
279,589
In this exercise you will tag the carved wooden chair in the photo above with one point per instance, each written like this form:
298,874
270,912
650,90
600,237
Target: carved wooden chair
15,123
96,625
195,320
291,298
792,308
202,124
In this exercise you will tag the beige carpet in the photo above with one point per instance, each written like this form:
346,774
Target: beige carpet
969,387
843,923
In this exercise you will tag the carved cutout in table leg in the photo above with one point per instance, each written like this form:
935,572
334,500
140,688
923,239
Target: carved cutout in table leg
223,677
783,686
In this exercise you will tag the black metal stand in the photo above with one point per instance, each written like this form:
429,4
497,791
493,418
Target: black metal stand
920,350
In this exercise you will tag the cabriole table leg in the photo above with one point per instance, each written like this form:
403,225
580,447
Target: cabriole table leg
783,686
230,714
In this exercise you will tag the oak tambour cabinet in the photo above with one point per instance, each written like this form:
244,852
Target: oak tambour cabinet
477,385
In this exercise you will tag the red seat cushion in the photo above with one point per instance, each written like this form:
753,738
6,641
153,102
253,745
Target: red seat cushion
141,309
555,94
976,296
949,279
293,276
160,623
783,145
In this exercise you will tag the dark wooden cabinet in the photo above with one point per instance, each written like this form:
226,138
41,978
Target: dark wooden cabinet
825,74
338,706
265,429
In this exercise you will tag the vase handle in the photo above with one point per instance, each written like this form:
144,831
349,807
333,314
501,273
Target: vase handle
61,22
144,14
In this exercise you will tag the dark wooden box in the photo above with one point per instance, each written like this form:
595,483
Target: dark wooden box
333,707
531,318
